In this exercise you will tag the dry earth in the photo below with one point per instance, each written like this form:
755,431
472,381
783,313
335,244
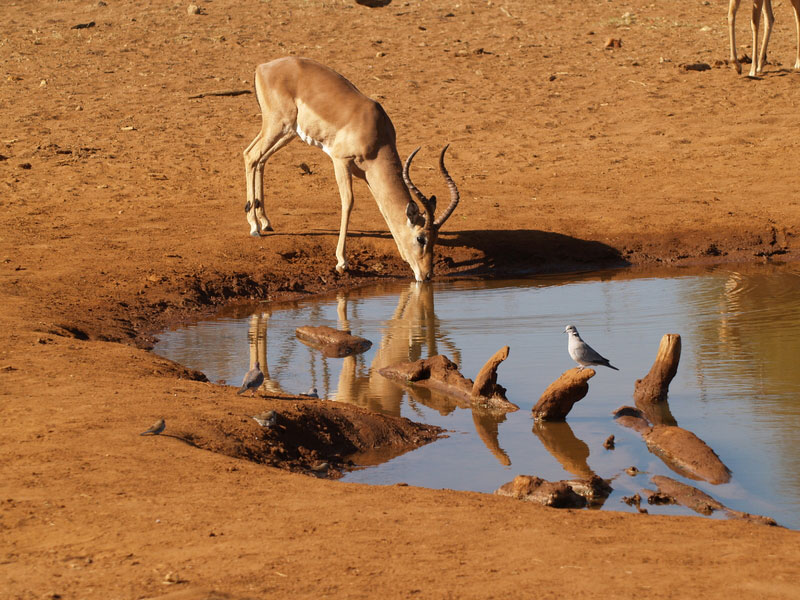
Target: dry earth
121,207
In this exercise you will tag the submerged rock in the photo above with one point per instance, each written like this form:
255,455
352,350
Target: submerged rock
556,494
575,493
332,342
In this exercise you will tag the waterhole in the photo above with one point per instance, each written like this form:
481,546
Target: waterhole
737,387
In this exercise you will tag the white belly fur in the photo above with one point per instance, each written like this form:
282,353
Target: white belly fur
311,141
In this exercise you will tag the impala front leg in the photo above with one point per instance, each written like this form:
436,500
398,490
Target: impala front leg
344,179
769,21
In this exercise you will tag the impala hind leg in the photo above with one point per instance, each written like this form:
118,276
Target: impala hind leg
732,8
344,179
269,140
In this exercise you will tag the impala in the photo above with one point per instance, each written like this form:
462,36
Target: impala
759,57
302,98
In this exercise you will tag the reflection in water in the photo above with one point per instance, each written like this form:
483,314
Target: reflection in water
412,328
561,442
737,386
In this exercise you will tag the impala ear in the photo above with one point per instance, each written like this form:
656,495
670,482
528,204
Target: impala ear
412,213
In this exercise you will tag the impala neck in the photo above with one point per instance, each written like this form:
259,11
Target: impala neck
384,174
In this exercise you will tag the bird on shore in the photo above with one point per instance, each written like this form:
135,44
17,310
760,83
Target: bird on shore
155,428
266,419
252,380
582,353
311,393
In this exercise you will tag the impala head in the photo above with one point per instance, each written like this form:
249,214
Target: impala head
423,227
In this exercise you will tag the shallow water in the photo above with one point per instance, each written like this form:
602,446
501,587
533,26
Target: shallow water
737,387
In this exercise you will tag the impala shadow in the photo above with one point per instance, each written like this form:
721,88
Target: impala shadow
507,251
528,250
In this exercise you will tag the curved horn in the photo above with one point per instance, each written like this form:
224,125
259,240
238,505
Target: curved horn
454,196
426,205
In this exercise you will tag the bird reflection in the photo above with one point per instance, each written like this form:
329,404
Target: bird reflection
257,340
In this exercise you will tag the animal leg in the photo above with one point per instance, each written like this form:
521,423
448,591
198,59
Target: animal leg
755,21
344,179
732,8
270,139
769,21
796,8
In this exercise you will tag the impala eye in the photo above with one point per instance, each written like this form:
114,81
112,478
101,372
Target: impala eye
421,240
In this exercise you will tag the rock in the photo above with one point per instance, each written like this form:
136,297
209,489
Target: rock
697,67
630,417
559,397
193,9
332,342
612,42
556,494
609,443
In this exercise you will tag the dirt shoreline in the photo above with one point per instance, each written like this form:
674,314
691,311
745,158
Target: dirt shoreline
121,208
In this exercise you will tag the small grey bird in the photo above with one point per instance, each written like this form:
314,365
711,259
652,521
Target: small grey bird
155,428
267,419
311,393
252,380
582,353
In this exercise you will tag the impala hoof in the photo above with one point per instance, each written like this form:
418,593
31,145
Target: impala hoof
255,233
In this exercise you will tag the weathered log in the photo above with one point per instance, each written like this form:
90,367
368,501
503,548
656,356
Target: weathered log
650,392
699,501
441,374
680,449
486,380
559,397
686,453
332,342
556,494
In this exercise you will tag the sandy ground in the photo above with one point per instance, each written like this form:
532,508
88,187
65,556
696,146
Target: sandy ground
121,207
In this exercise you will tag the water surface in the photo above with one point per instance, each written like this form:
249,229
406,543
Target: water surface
737,387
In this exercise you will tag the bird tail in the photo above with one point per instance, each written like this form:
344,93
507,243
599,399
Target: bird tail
241,390
610,366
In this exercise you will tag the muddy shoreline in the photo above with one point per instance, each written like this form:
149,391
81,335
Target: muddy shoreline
121,196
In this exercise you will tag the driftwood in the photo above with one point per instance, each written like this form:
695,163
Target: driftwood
650,392
686,453
221,93
681,450
696,500
439,373
486,380
557,494
559,397
332,342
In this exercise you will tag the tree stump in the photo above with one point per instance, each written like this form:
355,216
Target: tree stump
486,380
559,397
650,392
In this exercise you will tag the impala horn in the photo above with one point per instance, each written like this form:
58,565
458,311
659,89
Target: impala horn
429,204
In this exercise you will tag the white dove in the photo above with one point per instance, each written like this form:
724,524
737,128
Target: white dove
582,353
